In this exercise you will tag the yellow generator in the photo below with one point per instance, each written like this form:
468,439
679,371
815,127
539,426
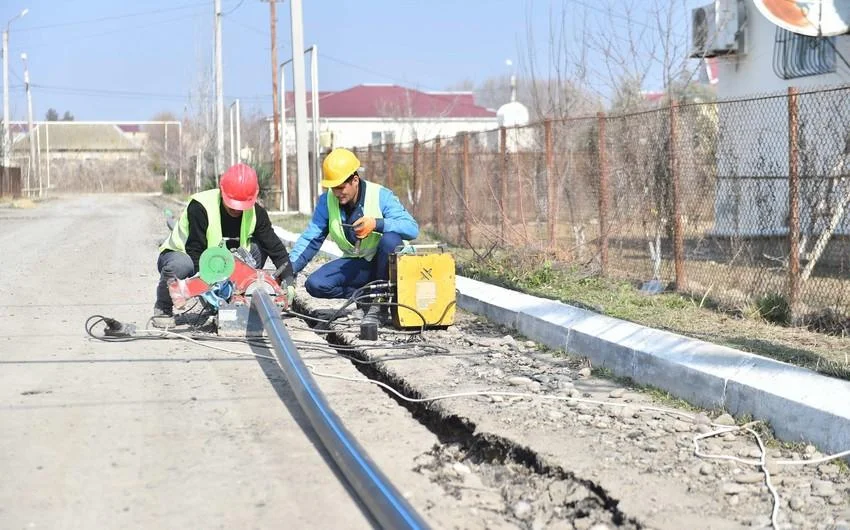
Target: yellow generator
424,286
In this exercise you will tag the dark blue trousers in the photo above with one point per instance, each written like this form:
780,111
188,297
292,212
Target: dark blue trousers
341,277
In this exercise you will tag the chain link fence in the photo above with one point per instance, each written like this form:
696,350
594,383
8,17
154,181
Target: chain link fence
736,201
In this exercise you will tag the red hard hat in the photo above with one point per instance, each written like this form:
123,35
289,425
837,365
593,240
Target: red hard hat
239,187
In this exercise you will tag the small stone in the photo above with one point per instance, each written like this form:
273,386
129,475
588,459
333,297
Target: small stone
617,393
725,419
602,424
796,503
530,344
828,470
497,399
554,415
509,341
734,500
574,392
822,488
572,403
599,526
703,429
729,436
534,386
564,384
810,450
681,426
836,500
732,489
584,373
755,453
522,509
498,373
519,380
749,478
798,518
461,469
706,469
585,417
702,419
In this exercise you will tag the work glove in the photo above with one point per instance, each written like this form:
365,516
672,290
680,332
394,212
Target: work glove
288,283
364,226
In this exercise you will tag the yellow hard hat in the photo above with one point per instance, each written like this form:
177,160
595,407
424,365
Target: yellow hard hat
338,166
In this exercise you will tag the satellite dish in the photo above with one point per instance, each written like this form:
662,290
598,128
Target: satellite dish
808,17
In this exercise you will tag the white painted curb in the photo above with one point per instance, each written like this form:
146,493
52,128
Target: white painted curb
800,405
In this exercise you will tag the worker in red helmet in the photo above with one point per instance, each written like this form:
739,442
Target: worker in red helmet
228,216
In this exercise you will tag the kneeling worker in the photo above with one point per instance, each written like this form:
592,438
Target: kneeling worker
228,214
352,210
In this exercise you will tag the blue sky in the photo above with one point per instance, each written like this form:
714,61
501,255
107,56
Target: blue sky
108,60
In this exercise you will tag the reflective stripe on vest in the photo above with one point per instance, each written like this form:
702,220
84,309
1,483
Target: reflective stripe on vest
371,208
211,201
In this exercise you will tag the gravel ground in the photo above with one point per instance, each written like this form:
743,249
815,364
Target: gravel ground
549,459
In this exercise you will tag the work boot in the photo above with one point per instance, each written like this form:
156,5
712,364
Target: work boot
162,318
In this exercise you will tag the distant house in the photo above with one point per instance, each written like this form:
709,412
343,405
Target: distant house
756,58
75,141
366,115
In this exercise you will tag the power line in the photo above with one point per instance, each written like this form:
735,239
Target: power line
117,17
234,9
124,29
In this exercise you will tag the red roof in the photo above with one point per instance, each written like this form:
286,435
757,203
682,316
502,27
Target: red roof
381,101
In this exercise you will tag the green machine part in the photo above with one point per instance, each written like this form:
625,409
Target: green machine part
216,264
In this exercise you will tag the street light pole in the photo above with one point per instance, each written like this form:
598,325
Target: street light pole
33,166
7,137
219,96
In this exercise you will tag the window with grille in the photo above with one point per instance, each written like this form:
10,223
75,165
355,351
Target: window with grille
797,55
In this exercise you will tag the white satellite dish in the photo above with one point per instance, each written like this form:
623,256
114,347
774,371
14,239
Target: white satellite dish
808,17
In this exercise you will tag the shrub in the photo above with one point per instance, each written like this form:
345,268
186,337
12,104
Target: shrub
773,307
170,186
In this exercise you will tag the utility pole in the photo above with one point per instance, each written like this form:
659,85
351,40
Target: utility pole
219,96
33,167
299,86
278,199
7,137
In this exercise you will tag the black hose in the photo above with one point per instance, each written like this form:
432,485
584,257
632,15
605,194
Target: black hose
380,497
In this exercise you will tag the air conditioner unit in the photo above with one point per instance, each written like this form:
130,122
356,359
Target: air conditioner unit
717,28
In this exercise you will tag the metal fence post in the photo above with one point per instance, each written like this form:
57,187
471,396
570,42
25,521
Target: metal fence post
603,193
369,161
467,228
552,182
438,189
793,207
390,177
678,229
415,200
503,181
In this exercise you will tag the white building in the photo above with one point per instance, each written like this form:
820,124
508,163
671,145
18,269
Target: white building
366,115
756,57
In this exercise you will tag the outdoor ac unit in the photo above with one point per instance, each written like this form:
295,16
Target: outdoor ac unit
716,28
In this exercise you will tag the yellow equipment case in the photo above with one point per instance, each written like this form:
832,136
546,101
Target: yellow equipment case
424,282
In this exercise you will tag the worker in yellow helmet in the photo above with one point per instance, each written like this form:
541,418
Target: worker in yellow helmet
352,210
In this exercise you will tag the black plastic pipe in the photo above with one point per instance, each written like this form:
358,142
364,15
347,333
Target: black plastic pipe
386,505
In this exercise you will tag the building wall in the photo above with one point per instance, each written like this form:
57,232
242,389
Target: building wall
752,145
363,132
751,73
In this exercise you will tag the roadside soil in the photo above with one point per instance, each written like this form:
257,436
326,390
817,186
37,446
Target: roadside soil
552,460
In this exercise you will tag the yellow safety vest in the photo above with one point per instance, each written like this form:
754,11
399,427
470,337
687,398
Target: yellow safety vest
371,208
211,201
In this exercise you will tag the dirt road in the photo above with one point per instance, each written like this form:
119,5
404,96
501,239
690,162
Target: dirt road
154,434
138,434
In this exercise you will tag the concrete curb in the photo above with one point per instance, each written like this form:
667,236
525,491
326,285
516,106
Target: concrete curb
800,405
